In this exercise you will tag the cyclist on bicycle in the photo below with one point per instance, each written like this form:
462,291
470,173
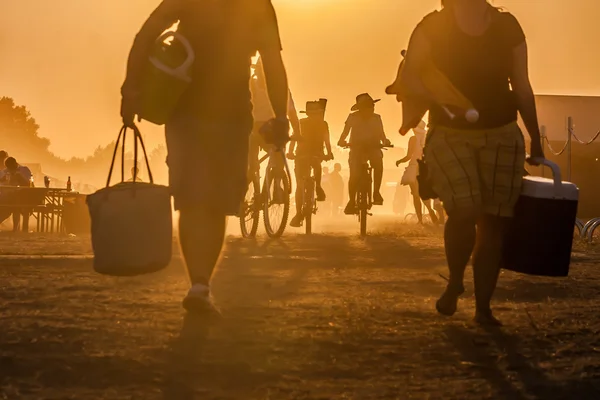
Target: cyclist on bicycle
262,112
314,136
366,138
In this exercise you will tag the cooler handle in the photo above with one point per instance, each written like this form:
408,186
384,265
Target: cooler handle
555,171
181,71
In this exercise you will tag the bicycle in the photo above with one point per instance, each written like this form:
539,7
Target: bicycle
273,199
364,192
309,203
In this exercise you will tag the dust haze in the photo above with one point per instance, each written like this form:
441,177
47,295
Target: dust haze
65,59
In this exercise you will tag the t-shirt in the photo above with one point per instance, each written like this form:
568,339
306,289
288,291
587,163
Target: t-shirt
365,132
21,178
478,66
225,35
313,132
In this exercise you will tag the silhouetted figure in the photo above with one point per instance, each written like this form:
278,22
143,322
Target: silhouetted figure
366,137
476,167
3,157
336,194
17,175
207,136
262,112
308,156
135,175
415,152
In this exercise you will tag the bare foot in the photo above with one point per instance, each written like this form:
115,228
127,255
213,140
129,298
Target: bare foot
486,319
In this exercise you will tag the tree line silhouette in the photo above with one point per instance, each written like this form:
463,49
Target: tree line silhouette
19,136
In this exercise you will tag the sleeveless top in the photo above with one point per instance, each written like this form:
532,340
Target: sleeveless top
417,152
478,66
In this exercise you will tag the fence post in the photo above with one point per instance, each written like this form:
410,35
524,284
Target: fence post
542,139
569,140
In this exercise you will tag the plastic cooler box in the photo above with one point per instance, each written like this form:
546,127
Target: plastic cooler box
540,238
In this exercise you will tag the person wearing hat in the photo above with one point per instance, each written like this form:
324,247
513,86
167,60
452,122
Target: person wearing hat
314,137
365,129
416,144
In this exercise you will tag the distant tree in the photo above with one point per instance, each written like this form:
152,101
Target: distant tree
19,133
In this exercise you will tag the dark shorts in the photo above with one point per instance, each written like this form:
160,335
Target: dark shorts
207,163
303,166
357,158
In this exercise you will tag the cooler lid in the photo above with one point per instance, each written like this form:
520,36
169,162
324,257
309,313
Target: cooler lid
544,188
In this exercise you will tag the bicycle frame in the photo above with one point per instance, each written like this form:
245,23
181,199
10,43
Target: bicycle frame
271,166
365,185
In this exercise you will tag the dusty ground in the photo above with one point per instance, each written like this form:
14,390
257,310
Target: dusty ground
331,316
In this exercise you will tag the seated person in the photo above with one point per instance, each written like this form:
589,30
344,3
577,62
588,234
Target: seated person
366,138
314,137
135,175
17,175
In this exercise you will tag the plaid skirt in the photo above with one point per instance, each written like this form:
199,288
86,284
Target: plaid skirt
477,170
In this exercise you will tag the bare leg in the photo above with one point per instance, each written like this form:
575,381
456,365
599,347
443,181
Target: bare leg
25,221
201,236
414,189
459,241
318,172
16,217
377,164
487,261
432,214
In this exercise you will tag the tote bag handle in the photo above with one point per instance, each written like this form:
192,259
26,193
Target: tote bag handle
121,139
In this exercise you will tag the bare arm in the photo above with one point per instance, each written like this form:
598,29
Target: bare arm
409,152
382,136
277,83
344,136
521,86
293,115
328,141
417,56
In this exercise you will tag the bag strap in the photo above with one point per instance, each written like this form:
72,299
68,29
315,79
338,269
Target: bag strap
121,139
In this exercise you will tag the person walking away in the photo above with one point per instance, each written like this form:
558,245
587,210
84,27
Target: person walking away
365,128
207,136
262,112
476,168
336,182
308,156
415,152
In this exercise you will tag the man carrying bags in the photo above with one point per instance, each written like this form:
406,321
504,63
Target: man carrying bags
207,134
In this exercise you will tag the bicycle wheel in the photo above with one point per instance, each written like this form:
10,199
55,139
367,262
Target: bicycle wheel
307,209
276,207
250,209
362,212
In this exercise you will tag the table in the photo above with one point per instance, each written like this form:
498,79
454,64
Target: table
46,205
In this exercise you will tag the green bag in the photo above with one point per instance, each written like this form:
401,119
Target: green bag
166,78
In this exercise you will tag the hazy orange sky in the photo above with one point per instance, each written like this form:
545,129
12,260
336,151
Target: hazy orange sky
65,59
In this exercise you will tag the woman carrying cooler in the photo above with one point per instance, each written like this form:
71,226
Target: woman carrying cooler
476,168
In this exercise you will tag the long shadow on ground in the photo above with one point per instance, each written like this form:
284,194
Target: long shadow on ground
511,365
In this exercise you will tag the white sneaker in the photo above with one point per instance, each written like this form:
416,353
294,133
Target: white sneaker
198,301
